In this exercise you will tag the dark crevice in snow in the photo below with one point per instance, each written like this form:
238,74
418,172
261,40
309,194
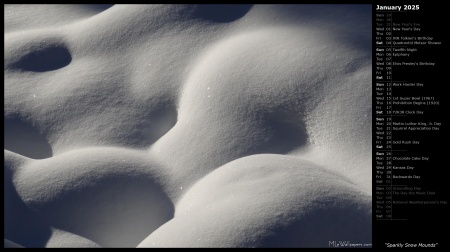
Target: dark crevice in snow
222,13
45,59
285,130
159,121
21,224
24,139
289,132
99,7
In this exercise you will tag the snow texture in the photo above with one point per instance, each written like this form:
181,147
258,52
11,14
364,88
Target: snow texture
187,125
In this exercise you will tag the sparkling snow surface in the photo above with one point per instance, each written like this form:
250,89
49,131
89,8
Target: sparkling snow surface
187,125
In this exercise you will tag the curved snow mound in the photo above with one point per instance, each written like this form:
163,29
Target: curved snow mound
187,125
110,196
268,201
22,16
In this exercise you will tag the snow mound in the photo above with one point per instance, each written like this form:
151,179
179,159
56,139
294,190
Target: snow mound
19,17
110,196
187,125
268,201
265,91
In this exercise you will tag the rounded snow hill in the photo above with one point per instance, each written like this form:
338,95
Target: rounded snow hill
110,196
268,201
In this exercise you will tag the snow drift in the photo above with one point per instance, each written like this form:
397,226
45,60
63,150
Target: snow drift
187,125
